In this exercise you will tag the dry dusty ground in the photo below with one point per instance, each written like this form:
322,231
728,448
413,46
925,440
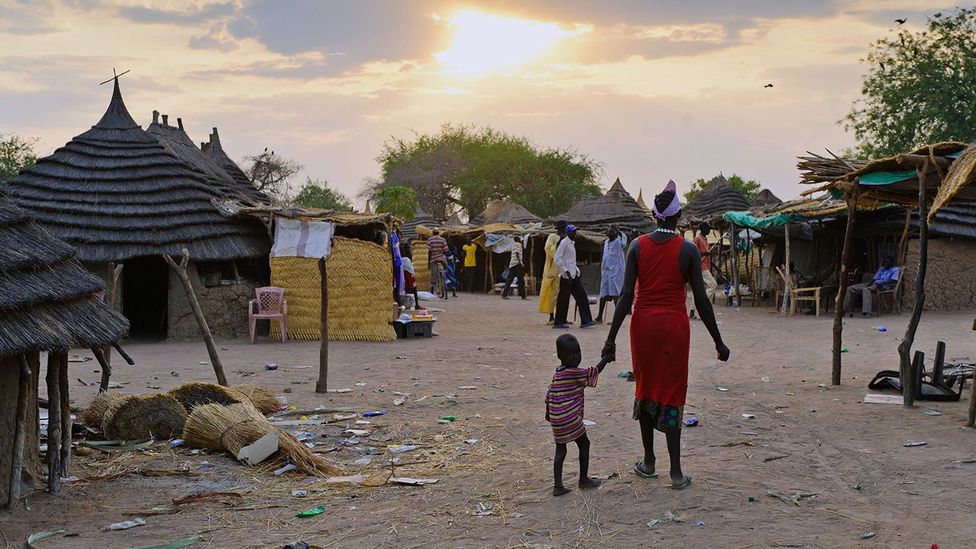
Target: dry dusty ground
821,441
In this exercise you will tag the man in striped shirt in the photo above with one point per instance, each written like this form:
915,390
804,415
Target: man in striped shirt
437,261
516,270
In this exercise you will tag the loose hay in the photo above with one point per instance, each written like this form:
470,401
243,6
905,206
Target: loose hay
261,397
235,426
194,394
93,414
131,417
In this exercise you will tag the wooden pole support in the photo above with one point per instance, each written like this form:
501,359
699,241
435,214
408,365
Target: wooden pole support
842,285
20,437
125,356
180,271
65,415
54,423
322,386
103,363
111,298
905,347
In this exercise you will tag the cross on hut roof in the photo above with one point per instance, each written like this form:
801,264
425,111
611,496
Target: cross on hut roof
115,76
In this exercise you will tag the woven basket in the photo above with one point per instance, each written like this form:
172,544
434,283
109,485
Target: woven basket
360,292
419,256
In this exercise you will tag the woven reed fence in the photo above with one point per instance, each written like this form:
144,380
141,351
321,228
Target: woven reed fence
360,292
418,255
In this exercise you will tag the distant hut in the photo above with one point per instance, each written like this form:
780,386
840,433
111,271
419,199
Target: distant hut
215,151
48,302
713,201
120,196
504,211
765,198
408,230
640,200
616,207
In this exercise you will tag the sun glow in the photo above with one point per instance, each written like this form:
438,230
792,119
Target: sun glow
482,42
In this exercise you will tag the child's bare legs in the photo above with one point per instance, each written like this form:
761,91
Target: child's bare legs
557,471
585,481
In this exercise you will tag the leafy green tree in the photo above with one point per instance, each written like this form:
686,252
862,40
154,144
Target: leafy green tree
397,200
16,153
463,168
317,194
920,88
749,188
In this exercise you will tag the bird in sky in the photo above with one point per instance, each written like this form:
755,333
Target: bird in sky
768,86
901,21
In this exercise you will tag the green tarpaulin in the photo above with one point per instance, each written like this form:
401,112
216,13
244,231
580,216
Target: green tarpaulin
744,219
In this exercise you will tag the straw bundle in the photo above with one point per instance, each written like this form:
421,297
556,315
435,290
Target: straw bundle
144,416
194,394
360,292
93,414
419,255
235,426
261,397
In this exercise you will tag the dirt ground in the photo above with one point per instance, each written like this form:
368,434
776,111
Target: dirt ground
806,438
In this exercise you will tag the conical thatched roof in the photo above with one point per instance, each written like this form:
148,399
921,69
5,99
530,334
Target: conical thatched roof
215,151
640,200
616,207
115,192
719,197
765,198
408,230
47,299
504,211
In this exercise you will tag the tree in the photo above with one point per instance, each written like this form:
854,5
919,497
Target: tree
271,174
920,88
397,200
16,153
749,188
463,168
316,193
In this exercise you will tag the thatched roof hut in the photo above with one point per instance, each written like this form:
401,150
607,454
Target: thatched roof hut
716,199
765,198
616,207
504,211
115,193
408,230
215,151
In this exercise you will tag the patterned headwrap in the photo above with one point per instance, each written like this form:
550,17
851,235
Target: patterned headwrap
672,208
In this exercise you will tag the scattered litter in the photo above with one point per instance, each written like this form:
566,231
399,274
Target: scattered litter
438,438
589,423
42,535
467,387
964,461
178,544
413,481
259,450
690,421
881,329
471,441
774,458
363,422
749,416
176,442
357,432
748,433
76,359
443,422
297,422
606,476
361,384
915,443
845,350
401,448
699,523
174,373
722,389
349,479
153,387
299,493
449,419
823,386
363,461
670,517
872,398
285,469
374,414
343,390
126,524
270,366
483,510
795,498
653,522
870,535
117,445
765,379
204,363
752,499
932,413
343,417
401,358
399,401
314,511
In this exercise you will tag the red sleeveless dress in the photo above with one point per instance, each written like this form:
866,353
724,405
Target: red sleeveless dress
660,334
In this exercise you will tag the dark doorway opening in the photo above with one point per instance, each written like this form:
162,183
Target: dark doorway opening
145,292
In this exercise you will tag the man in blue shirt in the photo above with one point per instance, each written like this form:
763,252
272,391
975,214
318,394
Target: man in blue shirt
885,279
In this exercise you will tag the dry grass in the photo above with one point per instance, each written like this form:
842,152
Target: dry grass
93,414
195,394
145,416
262,398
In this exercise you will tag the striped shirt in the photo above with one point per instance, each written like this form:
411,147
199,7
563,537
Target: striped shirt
564,401
516,255
437,249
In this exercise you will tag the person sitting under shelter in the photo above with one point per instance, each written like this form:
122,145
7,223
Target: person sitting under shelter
884,280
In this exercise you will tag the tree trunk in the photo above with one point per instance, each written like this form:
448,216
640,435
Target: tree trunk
180,271
19,433
842,285
54,423
905,348
322,386
65,415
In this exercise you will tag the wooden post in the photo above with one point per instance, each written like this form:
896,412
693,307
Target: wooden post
788,294
20,438
111,298
180,271
903,243
842,285
905,347
65,414
54,423
735,267
322,386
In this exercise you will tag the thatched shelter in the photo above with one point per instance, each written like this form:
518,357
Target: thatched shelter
215,151
765,198
408,229
616,207
712,202
48,302
505,211
120,196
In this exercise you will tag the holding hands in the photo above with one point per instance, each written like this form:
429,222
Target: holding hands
609,352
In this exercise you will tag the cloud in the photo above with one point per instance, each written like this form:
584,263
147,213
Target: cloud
192,15
24,18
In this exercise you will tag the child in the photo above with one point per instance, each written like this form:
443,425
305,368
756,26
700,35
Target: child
409,276
564,409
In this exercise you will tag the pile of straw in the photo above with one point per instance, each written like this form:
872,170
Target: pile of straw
158,416
261,397
195,394
93,414
235,426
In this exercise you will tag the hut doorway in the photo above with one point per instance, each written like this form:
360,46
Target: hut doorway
145,294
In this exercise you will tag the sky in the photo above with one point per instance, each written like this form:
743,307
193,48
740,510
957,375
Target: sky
651,89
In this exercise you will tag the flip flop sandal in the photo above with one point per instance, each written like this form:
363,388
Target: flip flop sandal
682,484
641,472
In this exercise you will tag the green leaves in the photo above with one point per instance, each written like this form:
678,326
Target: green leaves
317,194
16,153
398,200
920,88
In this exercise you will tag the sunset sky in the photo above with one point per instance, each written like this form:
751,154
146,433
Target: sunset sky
651,89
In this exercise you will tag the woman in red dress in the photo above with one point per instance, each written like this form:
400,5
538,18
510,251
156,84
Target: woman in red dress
658,267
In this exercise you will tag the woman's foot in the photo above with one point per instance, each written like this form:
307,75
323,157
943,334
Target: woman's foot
560,490
598,320
644,471
681,482
587,483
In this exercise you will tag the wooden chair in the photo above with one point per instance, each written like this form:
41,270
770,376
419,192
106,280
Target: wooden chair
799,294
892,296
270,304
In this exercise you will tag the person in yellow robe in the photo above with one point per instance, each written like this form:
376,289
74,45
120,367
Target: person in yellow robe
550,275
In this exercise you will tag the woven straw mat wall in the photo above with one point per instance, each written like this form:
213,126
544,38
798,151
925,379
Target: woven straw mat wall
418,255
360,292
